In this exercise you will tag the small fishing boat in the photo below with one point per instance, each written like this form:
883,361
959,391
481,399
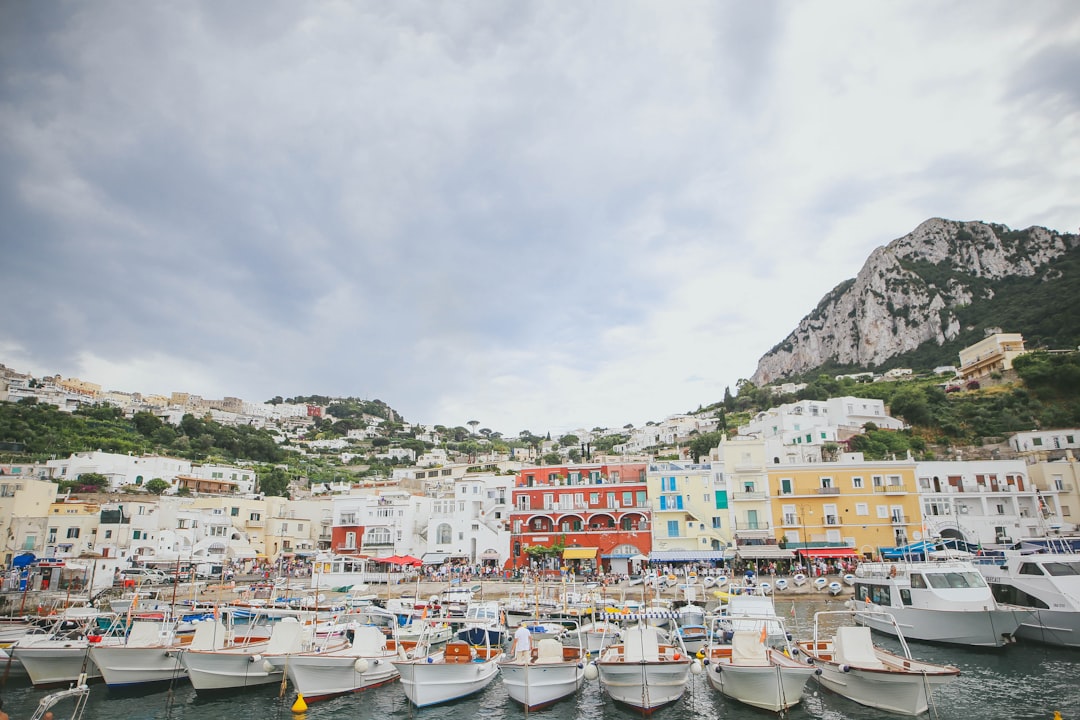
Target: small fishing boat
457,671
852,666
849,578
554,671
366,662
766,588
754,673
820,583
642,671
690,625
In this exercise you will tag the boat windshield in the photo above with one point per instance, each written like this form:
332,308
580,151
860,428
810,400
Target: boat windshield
1063,568
956,580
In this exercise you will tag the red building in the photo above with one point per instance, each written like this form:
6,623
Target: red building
596,511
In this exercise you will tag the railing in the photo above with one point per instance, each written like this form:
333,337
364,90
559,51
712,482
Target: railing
900,488
790,521
899,520
832,520
748,495
828,491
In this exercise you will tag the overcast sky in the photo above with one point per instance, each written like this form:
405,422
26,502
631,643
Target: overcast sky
538,216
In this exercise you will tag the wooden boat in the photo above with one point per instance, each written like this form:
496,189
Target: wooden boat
366,662
151,652
554,671
748,670
852,666
459,670
219,664
642,671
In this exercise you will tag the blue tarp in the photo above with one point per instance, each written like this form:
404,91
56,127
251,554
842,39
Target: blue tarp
919,550
23,560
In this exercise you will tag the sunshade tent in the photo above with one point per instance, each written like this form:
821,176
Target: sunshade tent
23,560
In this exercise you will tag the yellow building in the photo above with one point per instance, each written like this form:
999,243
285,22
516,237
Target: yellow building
686,514
990,355
855,503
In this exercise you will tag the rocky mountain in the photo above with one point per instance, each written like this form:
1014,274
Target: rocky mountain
921,289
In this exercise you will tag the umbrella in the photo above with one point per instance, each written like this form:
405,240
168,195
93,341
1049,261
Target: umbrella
392,559
640,558
410,560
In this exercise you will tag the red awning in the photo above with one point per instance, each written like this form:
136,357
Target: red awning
832,552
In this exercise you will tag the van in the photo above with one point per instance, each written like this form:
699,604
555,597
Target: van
143,576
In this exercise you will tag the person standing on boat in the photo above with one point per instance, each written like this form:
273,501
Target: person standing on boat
522,644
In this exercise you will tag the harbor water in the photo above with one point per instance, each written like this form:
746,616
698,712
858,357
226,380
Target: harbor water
1019,682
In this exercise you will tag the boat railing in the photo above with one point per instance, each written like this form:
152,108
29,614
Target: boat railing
880,614
79,692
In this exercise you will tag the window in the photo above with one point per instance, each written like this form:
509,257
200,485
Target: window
234,512
883,511
108,534
444,534
877,480
258,516
673,528
350,540
785,486
628,499
716,523
73,532
862,509
826,482
856,482
918,581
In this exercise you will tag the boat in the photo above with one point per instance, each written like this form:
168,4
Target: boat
834,588
595,636
799,579
151,652
766,588
691,627
61,656
642,671
852,666
752,672
748,609
944,601
849,578
1045,582
553,672
457,671
820,583
455,600
365,662
214,662
483,624
781,584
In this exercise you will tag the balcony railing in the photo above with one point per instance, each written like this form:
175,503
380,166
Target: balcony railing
790,521
744,495
890,489
899,520
828,491
832,520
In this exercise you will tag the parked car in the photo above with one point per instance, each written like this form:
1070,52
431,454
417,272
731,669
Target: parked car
143,576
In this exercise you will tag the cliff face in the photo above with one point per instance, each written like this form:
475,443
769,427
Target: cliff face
906,293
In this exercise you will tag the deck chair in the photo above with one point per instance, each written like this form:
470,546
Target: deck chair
854,646
746,649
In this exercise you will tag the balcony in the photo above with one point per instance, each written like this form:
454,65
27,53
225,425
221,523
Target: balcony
789,521
899,489
832,520
828,491
252,522
743,495
899,520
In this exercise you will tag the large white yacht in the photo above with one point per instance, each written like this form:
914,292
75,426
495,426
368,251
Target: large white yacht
1047,583
945,601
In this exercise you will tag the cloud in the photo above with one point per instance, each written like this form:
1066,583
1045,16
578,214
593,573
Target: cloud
539,216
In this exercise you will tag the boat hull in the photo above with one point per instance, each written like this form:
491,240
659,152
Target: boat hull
539,685
322,676
1052,627
438,682
646,685
983,628
771,686
121,666
50,665
905,694
229,669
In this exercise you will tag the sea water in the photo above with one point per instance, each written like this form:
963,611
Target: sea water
1015,683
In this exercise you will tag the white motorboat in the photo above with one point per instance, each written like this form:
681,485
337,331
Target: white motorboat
1048,584
691,627
820,583
149,653
754,673
642,671
457,671
937,601
849,578
852,666
62,655
595,636
554,671
243,664
766,588
748,609
484,624
366,662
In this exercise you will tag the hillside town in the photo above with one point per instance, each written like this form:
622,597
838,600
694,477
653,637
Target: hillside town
780,489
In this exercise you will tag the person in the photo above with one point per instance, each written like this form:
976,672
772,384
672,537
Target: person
3,715
522,644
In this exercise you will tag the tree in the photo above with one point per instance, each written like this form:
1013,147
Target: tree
703,444
156,486
275,482
93,479
146,423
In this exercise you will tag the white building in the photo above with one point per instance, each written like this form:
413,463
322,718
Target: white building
1046,440
121,470
473,523
984,501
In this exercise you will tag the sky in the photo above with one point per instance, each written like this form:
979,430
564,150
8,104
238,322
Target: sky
538,216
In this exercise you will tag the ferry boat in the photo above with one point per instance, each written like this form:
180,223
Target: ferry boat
1046,582
945,601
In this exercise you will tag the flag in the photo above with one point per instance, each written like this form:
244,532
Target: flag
764,633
